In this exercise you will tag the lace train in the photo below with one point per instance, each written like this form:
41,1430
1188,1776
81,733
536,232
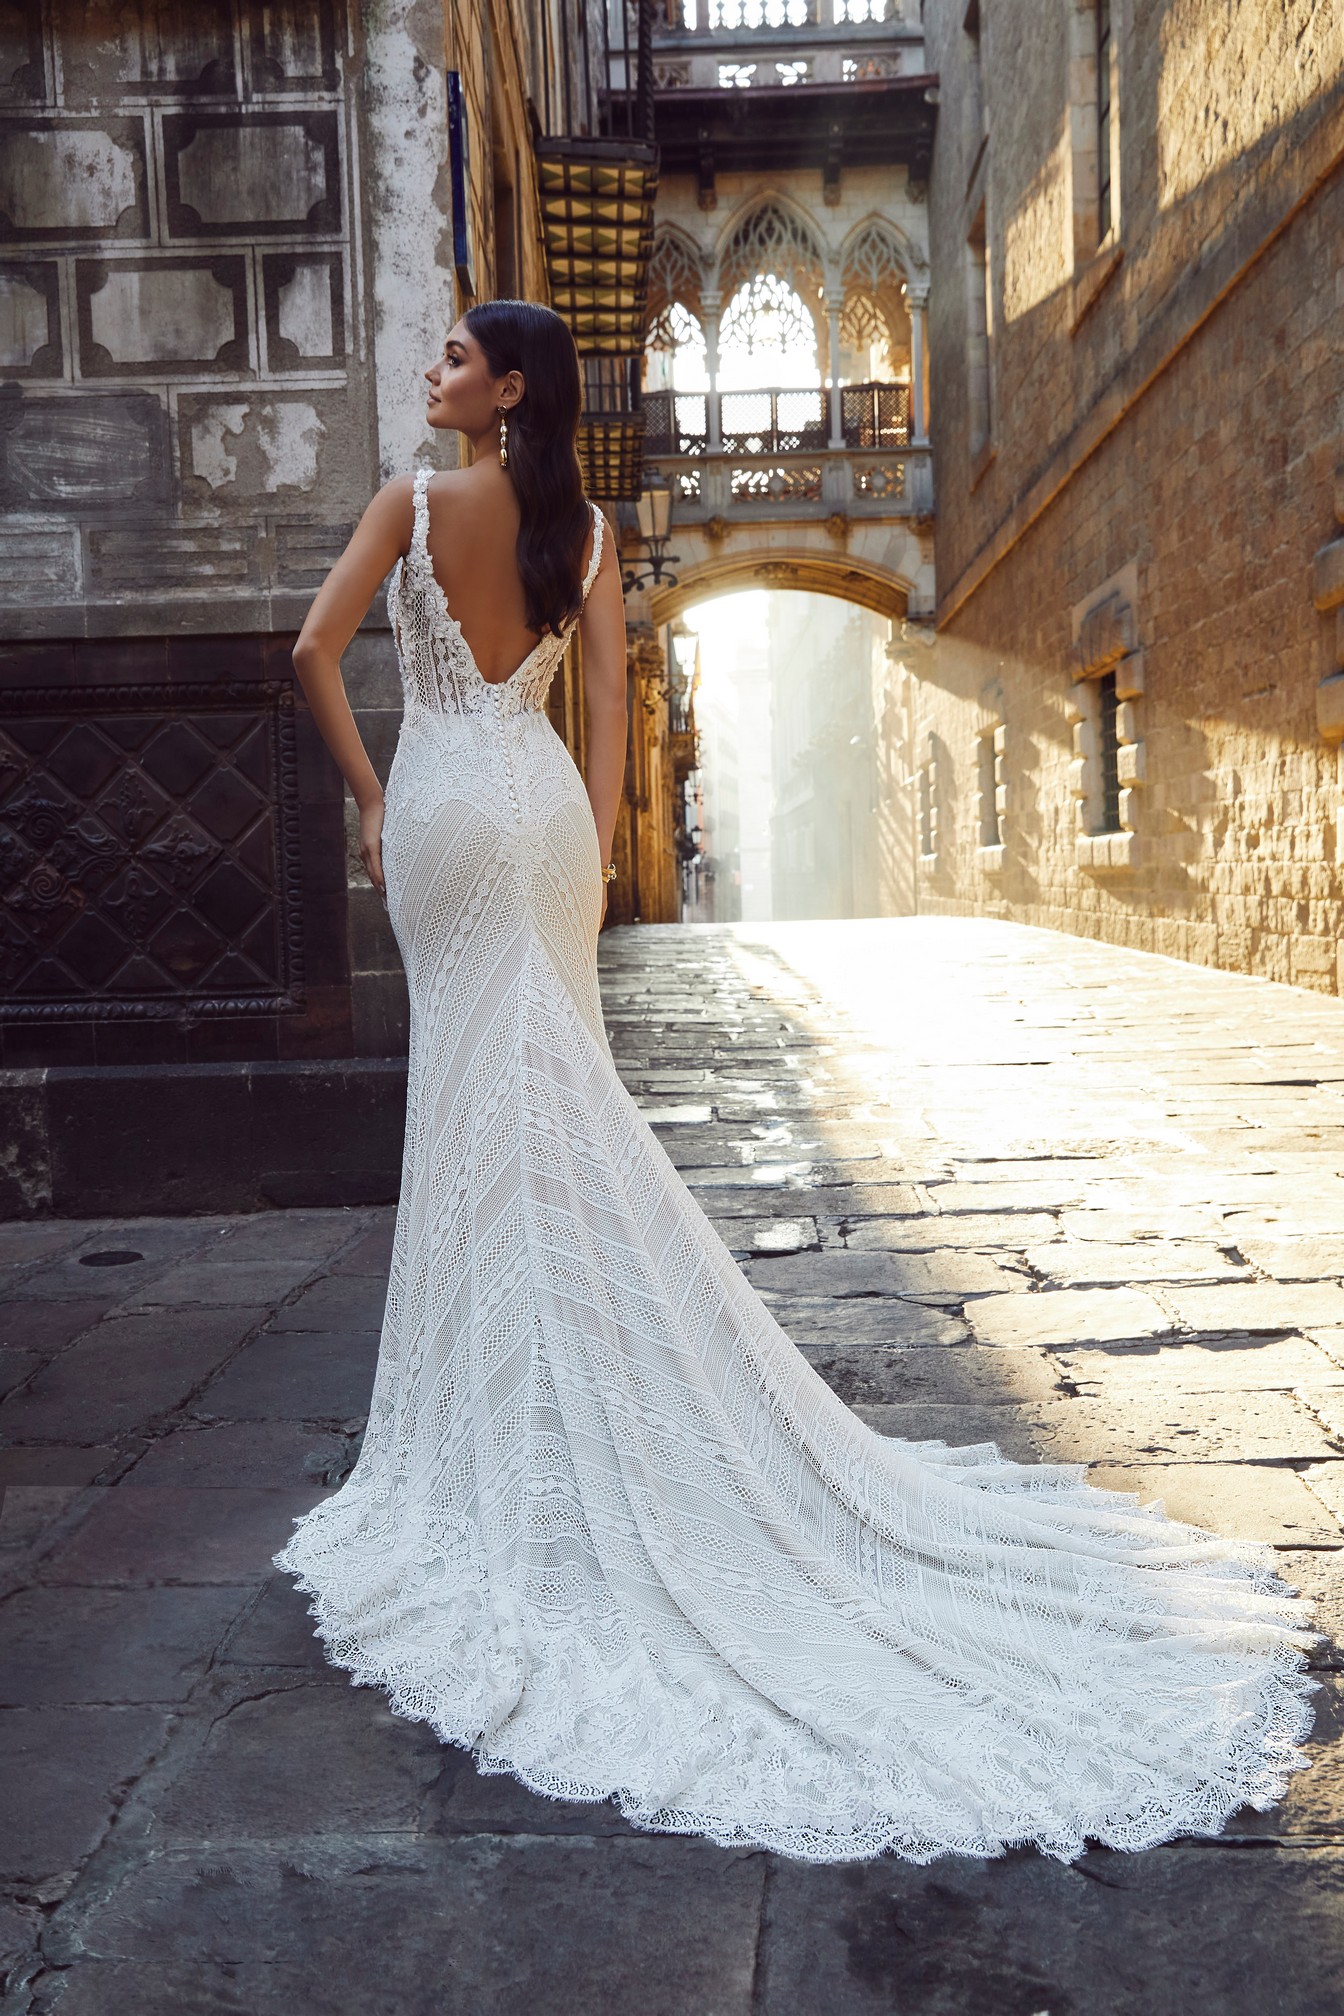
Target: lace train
610,1530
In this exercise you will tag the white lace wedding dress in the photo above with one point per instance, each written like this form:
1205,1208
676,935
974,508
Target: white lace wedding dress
611,1531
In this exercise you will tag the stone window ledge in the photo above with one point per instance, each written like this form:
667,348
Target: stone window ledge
1089,282
1103,852
992,859
928,864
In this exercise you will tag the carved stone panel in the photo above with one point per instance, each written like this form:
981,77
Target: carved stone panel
30,320
180,315
179,47
84,178
271,172
305,312
83,453
22,71
149,852
184,316
292,47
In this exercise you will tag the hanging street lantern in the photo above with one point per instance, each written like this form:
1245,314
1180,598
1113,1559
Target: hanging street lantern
654,513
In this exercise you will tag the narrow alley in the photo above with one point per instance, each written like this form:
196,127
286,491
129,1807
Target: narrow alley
999,1184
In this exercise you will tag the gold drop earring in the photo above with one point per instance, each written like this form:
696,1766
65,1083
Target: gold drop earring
503,440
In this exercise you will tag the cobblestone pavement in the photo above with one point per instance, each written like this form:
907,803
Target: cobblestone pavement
998,1184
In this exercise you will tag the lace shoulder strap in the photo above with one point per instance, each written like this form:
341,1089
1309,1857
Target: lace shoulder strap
419,553
598,522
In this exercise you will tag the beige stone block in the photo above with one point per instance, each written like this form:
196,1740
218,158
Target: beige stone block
1129,677
1063,1316
1243,1501
1273,1363
1160,1220
1326,1482
1131,763
1145,1424
1327,575
1093,1264
1332,1343
1260,1305
1319,1259
1327,1404
1315,1573
1313,956
1330,707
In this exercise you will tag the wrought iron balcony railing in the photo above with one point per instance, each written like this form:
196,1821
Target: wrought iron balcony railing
774,420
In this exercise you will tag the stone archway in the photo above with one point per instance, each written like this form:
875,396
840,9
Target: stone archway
880,566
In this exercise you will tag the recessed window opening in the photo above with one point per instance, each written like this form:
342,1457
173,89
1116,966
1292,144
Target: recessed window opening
1108,756
991,826
928,808
1103,118
979,335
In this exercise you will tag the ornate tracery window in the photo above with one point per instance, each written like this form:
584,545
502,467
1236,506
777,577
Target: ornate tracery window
772,276
875,319
676,273
675,351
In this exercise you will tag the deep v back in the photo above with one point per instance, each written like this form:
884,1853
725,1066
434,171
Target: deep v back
439,672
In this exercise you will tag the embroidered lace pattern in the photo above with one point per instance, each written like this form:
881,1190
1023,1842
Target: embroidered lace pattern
610,1530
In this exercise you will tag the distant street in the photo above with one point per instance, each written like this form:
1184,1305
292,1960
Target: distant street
999,1184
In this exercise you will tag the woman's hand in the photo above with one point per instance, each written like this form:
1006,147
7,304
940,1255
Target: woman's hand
371,843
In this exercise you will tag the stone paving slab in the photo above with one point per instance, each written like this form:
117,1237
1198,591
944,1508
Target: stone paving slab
482,1926
998,1186
1184,1929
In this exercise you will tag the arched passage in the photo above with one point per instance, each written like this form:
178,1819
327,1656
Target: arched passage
798,805
787,568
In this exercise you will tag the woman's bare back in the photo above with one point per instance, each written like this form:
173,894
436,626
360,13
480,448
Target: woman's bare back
473,531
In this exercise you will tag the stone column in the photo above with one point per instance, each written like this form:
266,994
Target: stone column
918,301
711,301
404,170
835,301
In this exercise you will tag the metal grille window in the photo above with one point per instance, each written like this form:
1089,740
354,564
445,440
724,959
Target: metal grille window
875,416
928,803
991,825
1103,118
773,423
1108,754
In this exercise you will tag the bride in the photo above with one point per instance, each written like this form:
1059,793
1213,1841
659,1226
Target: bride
608,1528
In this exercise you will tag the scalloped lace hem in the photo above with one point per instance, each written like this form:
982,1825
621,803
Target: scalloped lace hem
732,1777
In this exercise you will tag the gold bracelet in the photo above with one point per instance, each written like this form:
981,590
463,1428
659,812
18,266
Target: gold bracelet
609,872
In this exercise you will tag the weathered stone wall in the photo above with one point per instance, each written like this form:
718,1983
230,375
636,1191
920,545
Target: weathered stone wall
222,243
1165,428
226,257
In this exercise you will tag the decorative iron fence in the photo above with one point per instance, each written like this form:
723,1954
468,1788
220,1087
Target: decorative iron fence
675,423
776,421
770,422
875,416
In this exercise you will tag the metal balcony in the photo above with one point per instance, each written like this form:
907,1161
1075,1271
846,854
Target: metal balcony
775,421
771,452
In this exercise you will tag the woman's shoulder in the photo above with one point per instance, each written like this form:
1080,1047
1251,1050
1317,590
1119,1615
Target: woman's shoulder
606,529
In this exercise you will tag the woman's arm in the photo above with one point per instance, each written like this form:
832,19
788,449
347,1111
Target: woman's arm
379,540
602,631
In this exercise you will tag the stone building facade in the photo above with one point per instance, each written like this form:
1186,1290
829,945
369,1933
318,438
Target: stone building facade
232,235
1127,724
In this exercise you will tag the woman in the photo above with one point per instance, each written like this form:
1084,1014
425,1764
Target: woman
608,1528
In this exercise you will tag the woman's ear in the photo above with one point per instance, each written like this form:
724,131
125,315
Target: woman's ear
512,389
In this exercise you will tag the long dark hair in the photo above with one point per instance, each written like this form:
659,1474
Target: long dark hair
543,459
